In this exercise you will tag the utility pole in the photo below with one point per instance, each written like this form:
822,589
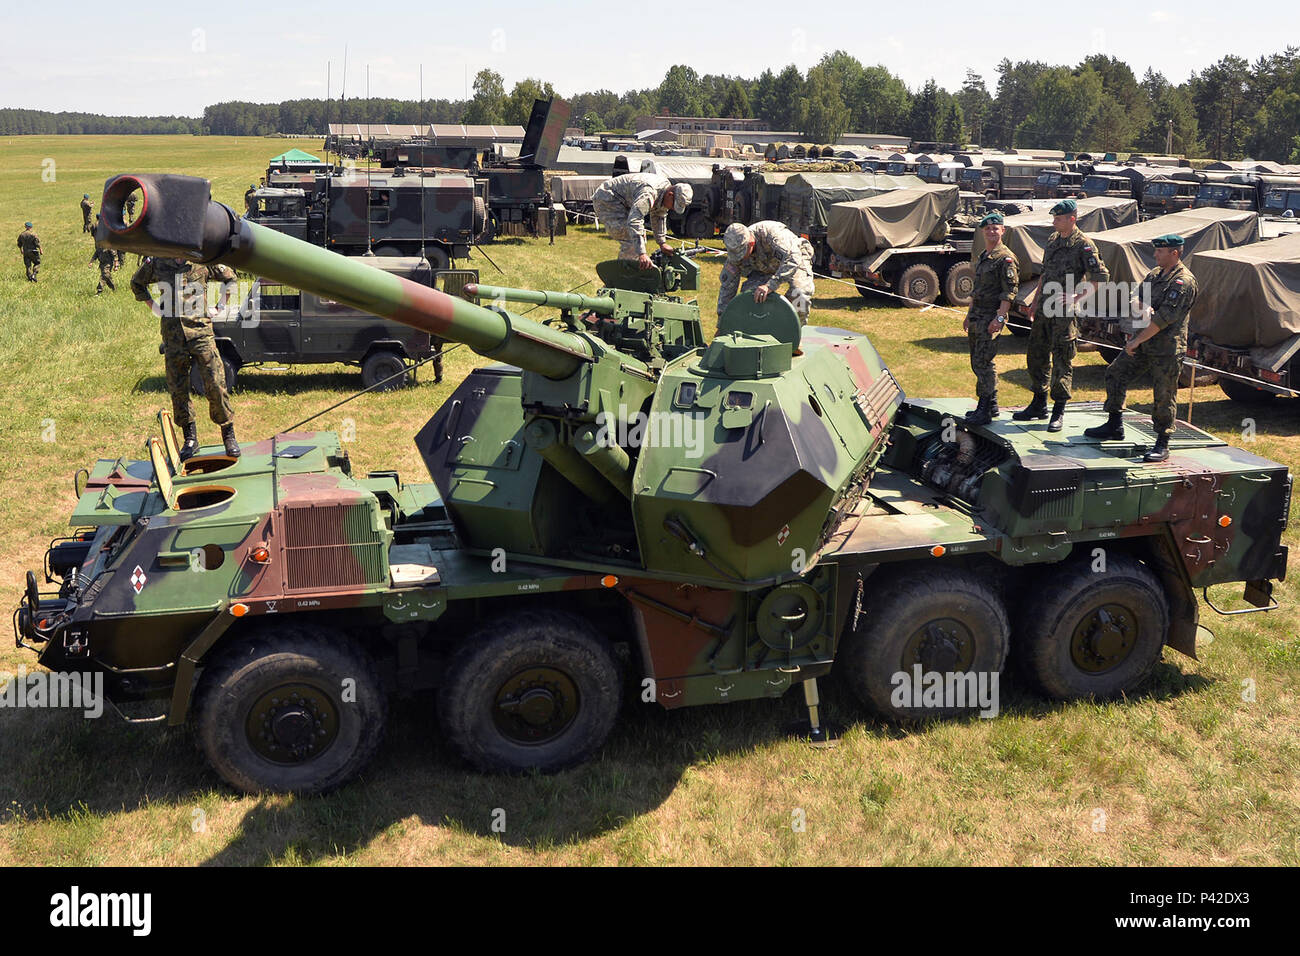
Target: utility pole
1169,137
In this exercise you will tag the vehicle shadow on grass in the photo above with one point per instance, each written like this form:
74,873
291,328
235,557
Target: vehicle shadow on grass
253,381
63,768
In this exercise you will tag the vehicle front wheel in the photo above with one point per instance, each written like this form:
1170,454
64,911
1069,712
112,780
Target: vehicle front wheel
1244,392
228,367
539,691
300,712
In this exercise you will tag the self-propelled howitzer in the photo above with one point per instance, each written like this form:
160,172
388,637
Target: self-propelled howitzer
739,515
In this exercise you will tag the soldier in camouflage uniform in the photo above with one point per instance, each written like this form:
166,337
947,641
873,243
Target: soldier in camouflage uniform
1069,257
250,203
188,338
1166,296
997,277
86,210
30,245
767,254
107,260
625,202
130,207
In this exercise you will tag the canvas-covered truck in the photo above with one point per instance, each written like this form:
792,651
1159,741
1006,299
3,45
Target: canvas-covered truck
1246,318
1129,256
616,501
910,242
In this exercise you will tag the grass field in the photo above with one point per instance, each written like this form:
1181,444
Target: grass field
1187,772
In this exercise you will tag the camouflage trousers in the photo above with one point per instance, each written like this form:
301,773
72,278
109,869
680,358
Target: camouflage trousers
613,215
105,278
201,350
983,353
1053,343
85,225
33,266
802,282
1164,371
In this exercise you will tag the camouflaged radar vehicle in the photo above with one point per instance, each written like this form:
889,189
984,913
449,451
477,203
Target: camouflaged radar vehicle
738,516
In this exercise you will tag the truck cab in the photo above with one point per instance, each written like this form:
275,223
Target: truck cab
1226,196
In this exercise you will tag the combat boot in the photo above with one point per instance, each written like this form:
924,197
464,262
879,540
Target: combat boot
228,437
191,445
1035,409
1058,417
980,416
994,411
1113,430
1160,450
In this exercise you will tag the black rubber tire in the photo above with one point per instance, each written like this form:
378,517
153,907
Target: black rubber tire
499,651
959,285
438,258
865,289
1244,392
231,371
292,653
1067,595
1018,326
698,226
1109,352
899,605
379,366
919,285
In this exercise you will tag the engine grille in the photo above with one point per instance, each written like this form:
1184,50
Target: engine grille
332,545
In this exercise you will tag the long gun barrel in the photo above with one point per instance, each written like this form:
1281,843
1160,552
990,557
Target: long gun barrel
178,218
601,305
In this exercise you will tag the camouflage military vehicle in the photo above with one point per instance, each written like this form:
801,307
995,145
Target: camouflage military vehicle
389,213
1057,184
280,324
737,516
1169,195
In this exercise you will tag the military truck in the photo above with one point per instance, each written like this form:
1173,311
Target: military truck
1169,195
390,213
1017,176
1057,184
1280,200
1245,322
282,325
790,511
910,242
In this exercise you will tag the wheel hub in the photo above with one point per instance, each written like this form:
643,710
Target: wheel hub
536,705
941,646
1104,639
292,724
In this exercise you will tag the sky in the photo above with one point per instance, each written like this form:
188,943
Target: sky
121,59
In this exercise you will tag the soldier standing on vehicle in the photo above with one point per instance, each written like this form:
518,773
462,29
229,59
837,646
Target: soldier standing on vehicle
1167,294
624,203
188,339
997,277
767,254
1069,257
86,209
250,204
30,245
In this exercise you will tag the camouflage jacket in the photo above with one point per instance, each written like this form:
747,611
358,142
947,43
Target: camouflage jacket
29,243
1075,255
1171,295
643,195
105,257
184,289
997,277
778,256
86,208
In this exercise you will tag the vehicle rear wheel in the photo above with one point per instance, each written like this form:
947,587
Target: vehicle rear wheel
959,284
382,365
232,376
1244,392
919,285
946,621
538,691
301,713
865,289
698,226
1088,633
438,257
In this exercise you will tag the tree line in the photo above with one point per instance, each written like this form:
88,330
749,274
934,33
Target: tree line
1230,110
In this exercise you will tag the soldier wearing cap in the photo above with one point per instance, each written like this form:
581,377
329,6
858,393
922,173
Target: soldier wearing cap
30,245
767,254
86,210
625,202
997,276
1157,346
1071,267
188,339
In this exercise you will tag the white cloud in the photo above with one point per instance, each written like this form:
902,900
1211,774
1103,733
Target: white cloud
1160,16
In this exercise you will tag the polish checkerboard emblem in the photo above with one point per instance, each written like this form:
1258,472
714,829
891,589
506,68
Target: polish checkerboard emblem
782,535
138,579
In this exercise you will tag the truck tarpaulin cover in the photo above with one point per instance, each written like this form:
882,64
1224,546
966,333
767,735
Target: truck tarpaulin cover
575,188
893,220
1129,255
809,197
1248,297
1027,233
